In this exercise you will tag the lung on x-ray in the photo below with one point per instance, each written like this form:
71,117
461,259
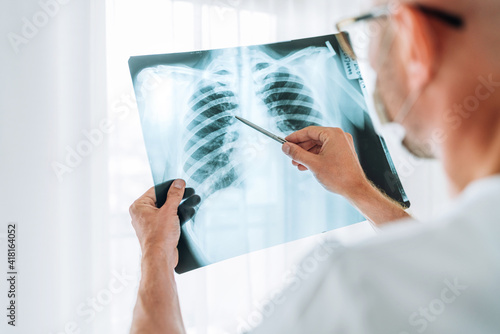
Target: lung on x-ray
252,196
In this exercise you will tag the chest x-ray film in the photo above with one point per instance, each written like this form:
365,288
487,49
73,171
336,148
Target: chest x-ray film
252,196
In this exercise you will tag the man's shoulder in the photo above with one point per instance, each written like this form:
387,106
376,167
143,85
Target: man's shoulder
473,229
403,279
460,245
472,220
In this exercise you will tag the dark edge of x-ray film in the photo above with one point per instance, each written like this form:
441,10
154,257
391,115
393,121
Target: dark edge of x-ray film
371,148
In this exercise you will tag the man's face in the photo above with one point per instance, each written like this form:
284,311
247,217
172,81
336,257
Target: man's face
392,95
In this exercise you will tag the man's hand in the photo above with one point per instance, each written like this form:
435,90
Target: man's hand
157,308
159,229
330,155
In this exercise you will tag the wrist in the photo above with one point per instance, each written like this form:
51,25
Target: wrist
360,191
160,253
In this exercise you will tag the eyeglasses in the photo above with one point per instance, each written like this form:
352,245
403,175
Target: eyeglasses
384,11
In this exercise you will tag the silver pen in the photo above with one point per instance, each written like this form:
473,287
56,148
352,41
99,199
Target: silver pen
261,130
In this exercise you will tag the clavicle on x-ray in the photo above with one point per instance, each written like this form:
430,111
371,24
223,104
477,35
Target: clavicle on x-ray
252,196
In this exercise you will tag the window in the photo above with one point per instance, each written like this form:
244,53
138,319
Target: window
219,298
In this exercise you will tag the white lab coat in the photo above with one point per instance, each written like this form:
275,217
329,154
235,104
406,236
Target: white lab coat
440,277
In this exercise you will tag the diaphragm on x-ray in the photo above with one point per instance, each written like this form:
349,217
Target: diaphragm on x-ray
252,196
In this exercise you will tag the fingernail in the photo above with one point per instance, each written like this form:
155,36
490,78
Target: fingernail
286,149
178,184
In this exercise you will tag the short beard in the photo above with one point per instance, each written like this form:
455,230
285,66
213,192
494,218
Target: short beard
415,147
418,149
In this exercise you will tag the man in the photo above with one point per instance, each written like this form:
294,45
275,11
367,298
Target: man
440,277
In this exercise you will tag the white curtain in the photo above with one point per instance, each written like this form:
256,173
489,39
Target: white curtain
73,157
53,180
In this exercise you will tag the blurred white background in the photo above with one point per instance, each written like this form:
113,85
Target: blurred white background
73,158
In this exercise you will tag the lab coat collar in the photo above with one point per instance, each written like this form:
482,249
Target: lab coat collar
481,187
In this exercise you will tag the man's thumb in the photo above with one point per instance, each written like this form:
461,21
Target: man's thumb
174,196
298,154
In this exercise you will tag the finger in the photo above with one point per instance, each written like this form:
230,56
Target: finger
191,201
350,140
309,144
299,155
315,150
302,168
185,214
161,192
188,193
299,166
174,197
149,197
306,134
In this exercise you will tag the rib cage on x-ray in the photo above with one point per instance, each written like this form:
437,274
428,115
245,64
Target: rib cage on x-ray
251,197
289,102
212,136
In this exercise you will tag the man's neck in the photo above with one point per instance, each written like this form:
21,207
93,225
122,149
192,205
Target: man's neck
473,153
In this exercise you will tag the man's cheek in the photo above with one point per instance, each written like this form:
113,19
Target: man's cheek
371,56
374,53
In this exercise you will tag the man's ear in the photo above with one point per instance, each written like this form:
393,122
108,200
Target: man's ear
417,45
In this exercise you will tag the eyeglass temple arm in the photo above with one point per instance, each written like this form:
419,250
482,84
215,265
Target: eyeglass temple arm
342,36
374,14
